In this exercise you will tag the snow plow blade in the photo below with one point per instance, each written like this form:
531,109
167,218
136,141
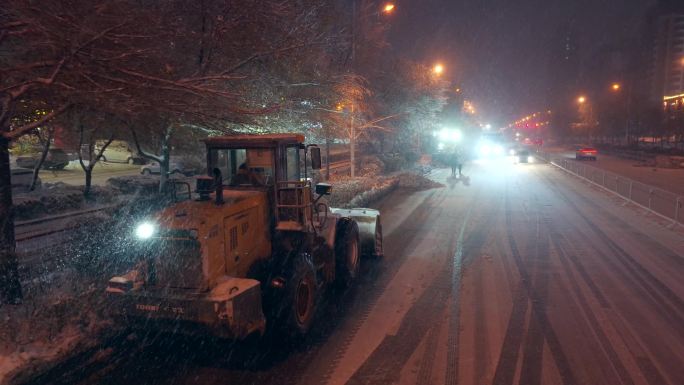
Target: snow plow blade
231,310
370,229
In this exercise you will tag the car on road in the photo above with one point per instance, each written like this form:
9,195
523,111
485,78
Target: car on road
119,151
56,159
523,156
21,180
586,153
176,166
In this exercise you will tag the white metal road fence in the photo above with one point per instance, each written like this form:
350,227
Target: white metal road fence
663,203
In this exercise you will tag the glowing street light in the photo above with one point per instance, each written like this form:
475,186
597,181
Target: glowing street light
581,100
616,86
438,69
388,8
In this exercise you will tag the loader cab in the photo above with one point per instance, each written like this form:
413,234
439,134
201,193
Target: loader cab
272,163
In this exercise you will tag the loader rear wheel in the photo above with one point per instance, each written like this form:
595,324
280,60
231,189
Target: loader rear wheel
302,292
347,253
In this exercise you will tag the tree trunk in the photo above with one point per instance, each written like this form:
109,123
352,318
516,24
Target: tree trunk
88,180
88,170
10,286
41,161
352,145
164,165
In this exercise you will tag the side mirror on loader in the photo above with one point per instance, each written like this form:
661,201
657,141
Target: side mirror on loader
315,157
323,189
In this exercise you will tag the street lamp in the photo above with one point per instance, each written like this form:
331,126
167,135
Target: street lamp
616,87
581,100
438,69
388,8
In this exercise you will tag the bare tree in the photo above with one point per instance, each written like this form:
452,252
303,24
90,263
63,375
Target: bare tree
95,153
45,138
189,64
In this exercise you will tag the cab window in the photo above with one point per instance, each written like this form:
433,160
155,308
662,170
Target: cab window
244,167
293,173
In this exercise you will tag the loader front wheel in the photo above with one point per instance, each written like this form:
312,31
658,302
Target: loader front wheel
302,292
347,253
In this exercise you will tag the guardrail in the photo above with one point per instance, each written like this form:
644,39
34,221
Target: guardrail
663,203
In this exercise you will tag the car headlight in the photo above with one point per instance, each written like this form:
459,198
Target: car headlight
145,230
530,159
511,152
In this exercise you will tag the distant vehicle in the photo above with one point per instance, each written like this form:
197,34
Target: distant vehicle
491,145
21,180
56,159
119,151
514,149
523,156
586,153
176,166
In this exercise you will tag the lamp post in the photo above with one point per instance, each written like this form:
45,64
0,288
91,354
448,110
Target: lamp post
617,89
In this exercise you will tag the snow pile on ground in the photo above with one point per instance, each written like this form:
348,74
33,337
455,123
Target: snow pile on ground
363,191
417,181
377,191
61,314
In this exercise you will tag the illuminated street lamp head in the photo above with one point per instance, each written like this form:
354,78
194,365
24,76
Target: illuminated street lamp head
388,8
581,100
438,69
616,86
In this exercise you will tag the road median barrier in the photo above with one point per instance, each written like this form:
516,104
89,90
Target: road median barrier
659,202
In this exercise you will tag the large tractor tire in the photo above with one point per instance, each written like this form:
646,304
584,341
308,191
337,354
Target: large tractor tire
347,252
301,296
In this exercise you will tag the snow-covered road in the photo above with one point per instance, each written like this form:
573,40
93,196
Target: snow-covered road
511,275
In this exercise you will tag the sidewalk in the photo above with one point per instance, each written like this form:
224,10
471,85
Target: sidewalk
671,180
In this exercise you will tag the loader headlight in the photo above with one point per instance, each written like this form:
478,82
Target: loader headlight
145,230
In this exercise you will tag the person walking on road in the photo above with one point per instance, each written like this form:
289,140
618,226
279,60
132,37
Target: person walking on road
455,163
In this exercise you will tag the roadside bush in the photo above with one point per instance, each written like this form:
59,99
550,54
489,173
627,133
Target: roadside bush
371,166
134,184
393,162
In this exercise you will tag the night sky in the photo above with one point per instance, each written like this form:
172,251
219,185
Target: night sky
498,49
